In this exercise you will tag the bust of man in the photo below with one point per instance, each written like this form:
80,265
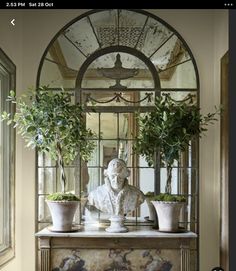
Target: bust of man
116,196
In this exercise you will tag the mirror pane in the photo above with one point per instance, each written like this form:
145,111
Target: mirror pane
146,184
72,178
43,225
92,122
81,35
175,179
84,177
146,179
108,151
142,162
64,52
154,35
52,76
130,28
105,27
171,53
94,178
180,76
119,71
43,211
47,180
183,180
109,125
125,152
94,161
193,154
126,125
45,161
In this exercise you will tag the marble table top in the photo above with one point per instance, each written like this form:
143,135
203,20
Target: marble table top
99,231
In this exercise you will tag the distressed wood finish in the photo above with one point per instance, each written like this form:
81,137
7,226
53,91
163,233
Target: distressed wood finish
224,165
185,258
45,256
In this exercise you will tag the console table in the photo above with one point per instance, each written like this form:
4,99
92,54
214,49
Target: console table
140,249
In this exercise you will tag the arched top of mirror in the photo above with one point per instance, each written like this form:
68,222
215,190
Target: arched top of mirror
148,43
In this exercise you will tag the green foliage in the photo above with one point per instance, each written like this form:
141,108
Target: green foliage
169,197
149,194
62,197
49,120
170,128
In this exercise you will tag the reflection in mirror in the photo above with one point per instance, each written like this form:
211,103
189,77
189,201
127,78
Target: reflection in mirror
85,41
146,183
128,69
105,26
108,151
45,175
43,214
67,56
94,161
154,36
171,54
114,85
94,178
109,125
125,126
51,75
92,122
113,27
180,76
131,28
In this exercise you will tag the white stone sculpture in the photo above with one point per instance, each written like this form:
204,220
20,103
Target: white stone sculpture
116,197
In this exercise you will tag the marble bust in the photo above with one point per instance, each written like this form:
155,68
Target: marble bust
116,197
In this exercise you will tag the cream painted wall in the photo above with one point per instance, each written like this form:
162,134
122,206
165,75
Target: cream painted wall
205,31
25,46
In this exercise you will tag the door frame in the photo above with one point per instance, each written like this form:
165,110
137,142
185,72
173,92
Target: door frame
224,164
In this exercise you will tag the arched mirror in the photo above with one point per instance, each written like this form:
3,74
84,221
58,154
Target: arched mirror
116,62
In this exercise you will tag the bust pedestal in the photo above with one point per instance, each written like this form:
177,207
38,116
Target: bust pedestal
117,224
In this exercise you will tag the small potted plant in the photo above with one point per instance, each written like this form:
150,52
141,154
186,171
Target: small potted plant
48,120
169,129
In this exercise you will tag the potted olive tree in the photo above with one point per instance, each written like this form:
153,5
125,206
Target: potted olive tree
169,129
50,122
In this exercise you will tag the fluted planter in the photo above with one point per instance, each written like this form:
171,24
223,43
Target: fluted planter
62,213
168,215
